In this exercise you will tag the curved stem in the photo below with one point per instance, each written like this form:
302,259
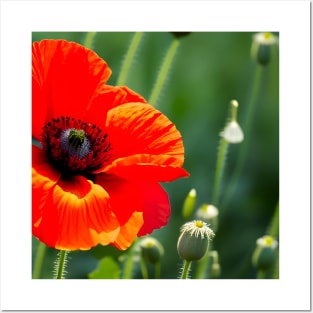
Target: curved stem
273,231
41,249
128,269
61,264
163,73
158,270
221,157
261,274
247,131
144,270
274,225
89,40
275,274
185,269
121,80
202,267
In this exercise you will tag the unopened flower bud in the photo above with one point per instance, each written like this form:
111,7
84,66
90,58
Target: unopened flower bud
209,214
151,250
194,240
189,203
264,255
262,46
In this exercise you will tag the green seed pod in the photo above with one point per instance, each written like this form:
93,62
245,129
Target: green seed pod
194,240
264,255
264,54
192,248
151,250
262,46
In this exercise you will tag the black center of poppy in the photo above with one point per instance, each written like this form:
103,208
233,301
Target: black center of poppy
74,146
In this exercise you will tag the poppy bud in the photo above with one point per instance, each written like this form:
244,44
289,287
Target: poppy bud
261,47
209,214
189,203
194,240
151,250
264,255
232,132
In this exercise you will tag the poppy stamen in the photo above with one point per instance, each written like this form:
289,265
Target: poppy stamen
76,146
75,142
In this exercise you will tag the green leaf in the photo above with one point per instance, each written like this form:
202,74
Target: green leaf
107,269
100,252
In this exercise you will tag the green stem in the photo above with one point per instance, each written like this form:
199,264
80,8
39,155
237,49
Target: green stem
89,40
261,274
274,226
61,264
221,157
247,131
185,269
41,249
275,274
128,269
121,80
202,267
273,231
157,270
144,270
163,73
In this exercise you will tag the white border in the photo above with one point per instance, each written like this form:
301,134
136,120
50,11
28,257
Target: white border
291,19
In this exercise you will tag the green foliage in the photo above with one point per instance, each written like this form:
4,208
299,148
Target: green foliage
107,268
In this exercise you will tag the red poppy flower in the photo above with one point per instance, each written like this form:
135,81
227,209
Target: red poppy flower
103,151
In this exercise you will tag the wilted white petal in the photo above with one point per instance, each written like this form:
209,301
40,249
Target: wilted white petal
233,132
265,39
267,241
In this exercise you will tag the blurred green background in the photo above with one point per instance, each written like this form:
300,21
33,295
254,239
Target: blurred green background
209,70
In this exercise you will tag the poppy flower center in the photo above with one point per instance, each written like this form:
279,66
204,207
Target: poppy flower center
74,146
75,142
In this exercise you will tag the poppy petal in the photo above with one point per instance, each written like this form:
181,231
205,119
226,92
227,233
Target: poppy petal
108,98
128,231
44,178
77,216
127,197
66,78
137,128
157,168
156,207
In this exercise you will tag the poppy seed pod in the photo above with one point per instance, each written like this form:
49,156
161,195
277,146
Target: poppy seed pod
261,47
263,54
264,255
151,250
194,240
